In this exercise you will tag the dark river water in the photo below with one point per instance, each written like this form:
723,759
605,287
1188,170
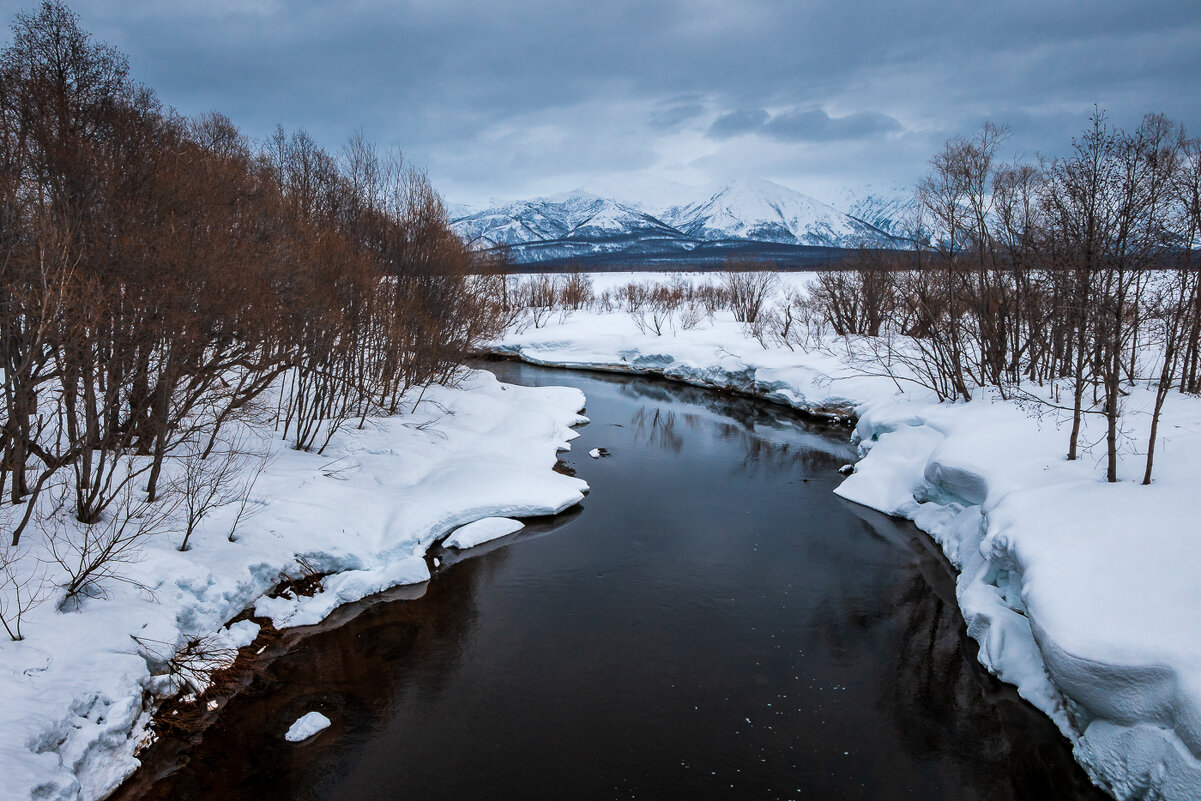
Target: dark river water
713,622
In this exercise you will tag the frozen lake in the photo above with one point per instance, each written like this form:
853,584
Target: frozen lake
712,623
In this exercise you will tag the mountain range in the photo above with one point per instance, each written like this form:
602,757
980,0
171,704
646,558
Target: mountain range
746,217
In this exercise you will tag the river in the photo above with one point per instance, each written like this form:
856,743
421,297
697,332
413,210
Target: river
713,622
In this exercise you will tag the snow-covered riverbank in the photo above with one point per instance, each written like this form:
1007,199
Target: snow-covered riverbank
366,512
1083,594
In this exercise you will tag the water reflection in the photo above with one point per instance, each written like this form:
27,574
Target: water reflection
715,623
653,426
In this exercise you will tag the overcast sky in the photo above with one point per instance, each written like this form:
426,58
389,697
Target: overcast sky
504,98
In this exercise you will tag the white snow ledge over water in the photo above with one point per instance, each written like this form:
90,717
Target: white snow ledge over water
1084,595
365,512
481,531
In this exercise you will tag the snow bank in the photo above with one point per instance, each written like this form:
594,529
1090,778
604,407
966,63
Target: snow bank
714,356
1082,594
481,531
306,726
365,513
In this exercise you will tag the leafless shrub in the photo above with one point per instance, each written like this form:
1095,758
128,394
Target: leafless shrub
605,302
787,320
23,587
223,477
305,580
749,288
95,554
576,291
634,296
540,295
691,314
188,667
714,297
856,300
652,305
762,328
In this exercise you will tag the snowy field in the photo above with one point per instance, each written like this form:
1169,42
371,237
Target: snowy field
1083,594
365,512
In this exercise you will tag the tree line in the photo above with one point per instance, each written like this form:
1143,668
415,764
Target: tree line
159,273
1078,274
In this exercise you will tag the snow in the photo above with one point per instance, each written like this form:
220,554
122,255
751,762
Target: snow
1082,594
365,513
481,531
595,453
708,356
752,208
306,726
889,207
745,208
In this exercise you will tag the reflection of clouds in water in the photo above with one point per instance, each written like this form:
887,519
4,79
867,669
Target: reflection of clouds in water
766,456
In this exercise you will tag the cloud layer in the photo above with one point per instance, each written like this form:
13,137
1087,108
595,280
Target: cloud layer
512,97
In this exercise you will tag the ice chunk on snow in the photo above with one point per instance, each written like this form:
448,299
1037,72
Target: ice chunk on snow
242,633
306,727
481,531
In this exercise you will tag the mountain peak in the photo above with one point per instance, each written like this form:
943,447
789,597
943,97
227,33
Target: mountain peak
745,209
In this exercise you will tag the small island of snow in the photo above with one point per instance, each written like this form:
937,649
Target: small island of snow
306,727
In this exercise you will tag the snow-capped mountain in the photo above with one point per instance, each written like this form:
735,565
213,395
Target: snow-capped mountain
762,211
742,214
575,215
890,208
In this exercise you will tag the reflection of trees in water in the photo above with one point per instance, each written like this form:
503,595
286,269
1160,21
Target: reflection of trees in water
945,704
735,407
656,427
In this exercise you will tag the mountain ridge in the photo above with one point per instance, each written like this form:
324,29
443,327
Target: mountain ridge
736,215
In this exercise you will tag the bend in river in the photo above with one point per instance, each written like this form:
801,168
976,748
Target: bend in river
713,623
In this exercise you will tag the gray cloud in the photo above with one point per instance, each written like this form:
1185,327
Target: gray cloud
818,126
670,116
741,121
477,91
814,125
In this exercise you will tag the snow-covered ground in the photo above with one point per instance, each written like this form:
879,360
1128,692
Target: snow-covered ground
617,280
71,693
1083,594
